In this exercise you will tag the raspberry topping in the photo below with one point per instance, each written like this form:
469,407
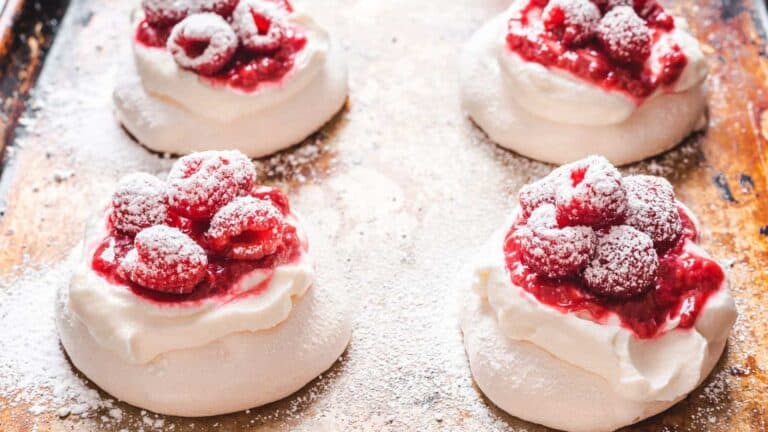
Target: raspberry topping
201,183
202,42
604,42
574,21
594,196
624,36
165,12
166,260
623,249
139,202
247,228
625,263
653,210
258,25
551,251
197,235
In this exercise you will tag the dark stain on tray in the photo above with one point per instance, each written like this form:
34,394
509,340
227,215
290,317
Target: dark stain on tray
764,230
746,182
725,189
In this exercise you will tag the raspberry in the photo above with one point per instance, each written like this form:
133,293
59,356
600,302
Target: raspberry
202,42
164,13
594,196
139,202
248,228
654,14
275,195
653,209
542,191
201,183
624,36
165,259
574,20
624,265
550,251
223,8
258,25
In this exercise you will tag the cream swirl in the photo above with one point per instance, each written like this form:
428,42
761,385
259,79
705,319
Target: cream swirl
139,330
664,368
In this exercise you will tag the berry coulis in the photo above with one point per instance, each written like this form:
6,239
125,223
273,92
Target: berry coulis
684,283
247,70
222,274
589,62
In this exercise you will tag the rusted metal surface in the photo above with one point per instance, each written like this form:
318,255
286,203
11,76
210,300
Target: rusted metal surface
399,191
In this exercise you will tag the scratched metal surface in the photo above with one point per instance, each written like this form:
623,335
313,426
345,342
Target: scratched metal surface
399,190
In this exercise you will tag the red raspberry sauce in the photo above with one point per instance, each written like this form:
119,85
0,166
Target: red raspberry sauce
589,62
223,273
684,284
246,71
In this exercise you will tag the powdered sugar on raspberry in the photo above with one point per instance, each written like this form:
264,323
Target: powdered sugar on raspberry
542,191
203,42
165,259
201,183
624,265
139,201
551,251
260,218
624,35
258,24
166,12
578,18
653,209
594,196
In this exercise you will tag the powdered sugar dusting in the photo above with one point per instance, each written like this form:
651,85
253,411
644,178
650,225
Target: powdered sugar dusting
595,195
207,28
624,35
653,209
260,36
166,260
582,13
139,202
247,214
624,265
551,251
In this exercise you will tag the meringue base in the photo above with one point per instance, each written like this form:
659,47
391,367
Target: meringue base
659,124
165,126
239,371
530,383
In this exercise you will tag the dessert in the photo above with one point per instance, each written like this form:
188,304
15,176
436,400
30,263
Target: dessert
560,80
195,296
594,307
254,75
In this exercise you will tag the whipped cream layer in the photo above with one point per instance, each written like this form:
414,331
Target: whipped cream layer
138,330
549,114
173,110
664,368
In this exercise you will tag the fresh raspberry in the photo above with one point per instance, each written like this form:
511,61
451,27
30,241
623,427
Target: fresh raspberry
201,183
163,13
550,251
575,21
624,265
624,36
542,191
248,228
165,259
275,195
654,14
139,201
258,24
653,209
202,42
223,8
594,196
